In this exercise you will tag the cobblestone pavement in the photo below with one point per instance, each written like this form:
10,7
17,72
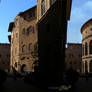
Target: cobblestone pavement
11,85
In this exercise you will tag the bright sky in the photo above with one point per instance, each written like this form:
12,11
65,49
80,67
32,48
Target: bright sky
80,13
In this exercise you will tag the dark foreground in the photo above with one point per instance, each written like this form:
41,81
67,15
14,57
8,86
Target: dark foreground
11,85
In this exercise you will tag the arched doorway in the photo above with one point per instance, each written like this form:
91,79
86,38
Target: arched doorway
91,66
22,68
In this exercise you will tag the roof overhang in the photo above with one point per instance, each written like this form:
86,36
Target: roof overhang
69,4
11,25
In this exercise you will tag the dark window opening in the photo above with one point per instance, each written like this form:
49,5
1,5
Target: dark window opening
90,47
86,49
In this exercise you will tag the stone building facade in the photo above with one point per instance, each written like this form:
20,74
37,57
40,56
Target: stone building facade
5,56
52,18
86,32
24,40
73,56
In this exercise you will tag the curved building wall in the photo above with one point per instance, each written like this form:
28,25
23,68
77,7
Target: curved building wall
87,47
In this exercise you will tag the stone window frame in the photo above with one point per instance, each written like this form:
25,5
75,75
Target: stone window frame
30,30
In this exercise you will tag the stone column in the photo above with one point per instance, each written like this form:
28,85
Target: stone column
88,47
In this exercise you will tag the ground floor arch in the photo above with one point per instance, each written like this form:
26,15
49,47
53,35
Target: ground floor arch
91,66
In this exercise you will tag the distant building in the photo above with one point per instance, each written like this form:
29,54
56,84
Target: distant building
24,41
86,31
52,17
5,56
73,56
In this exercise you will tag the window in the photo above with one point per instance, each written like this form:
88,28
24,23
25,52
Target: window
90,47
30,47
24,31
16,35
86,49
30,30
23,48
42,7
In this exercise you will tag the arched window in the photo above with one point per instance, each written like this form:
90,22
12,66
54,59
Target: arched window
90,47
23,48
30,47
30,30
82,50
86,49
42,7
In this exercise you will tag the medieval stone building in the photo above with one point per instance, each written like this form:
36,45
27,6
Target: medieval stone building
5,57
52,17
86,31
73,56
24,40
